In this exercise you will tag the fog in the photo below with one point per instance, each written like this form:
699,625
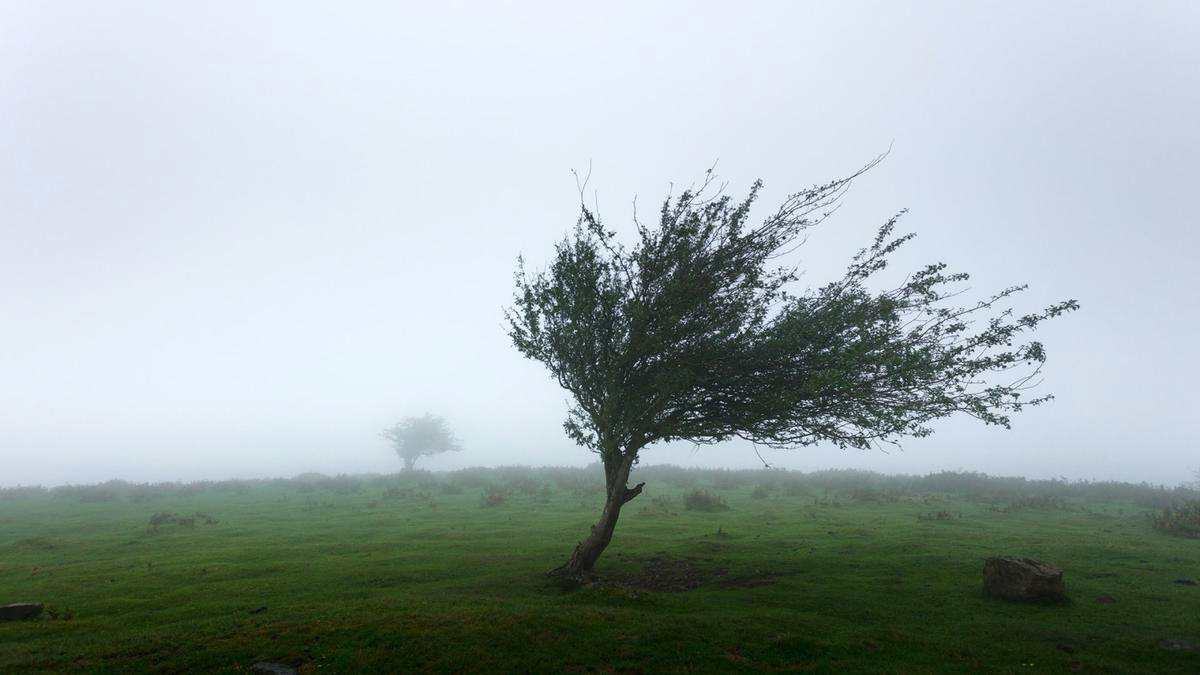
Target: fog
238,240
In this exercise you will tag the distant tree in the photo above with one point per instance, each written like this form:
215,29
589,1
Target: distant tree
416,437
692,334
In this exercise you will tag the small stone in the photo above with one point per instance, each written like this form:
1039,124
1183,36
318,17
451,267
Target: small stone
21,610
268,668
258,610
1185,582
1023,579
1106,599
1178,646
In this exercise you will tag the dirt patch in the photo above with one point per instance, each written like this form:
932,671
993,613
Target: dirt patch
670,575
1178,646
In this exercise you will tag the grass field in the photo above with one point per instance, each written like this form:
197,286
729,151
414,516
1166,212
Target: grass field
841,573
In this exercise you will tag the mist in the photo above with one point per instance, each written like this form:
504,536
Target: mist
241,240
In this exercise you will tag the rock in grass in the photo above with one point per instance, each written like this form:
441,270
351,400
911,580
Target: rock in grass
1023,579
268,668
21,610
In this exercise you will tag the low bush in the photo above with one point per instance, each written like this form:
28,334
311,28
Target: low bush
162,518
492,497
702,500
22,492
938,515
1181,520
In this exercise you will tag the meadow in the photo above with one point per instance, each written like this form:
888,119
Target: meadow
710,571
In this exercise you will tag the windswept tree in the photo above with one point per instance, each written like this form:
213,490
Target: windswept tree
416,437
692,333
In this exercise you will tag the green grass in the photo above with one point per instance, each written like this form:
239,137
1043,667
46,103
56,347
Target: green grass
430,581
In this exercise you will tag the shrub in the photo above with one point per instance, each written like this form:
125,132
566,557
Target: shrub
1182,520
937,515
760,492
164,518
492,497
22,492
702,500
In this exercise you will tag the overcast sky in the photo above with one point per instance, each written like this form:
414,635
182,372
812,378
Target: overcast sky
240,238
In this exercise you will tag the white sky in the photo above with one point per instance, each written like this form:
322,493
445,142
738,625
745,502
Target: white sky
239,239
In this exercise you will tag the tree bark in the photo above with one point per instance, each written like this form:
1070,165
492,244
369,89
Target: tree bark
409,462
578,569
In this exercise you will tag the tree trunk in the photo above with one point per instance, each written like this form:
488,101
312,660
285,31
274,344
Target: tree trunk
578,569
409,462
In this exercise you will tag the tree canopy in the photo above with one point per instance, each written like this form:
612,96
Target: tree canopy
694,333
416,437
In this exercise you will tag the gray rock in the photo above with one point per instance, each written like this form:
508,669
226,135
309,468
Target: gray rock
268,668
21,610
1023,579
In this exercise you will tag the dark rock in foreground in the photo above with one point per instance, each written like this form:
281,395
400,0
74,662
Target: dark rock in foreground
21,610
1023,579
268,668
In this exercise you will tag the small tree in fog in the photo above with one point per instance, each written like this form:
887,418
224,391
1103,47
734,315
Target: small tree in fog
693,334
415,437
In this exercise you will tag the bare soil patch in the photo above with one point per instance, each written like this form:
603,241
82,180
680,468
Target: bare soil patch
668,574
